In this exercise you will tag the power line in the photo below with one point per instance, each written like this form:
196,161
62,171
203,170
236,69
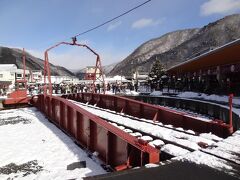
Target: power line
110,20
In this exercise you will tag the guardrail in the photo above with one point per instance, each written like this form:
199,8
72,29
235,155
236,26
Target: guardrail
156,113
114,146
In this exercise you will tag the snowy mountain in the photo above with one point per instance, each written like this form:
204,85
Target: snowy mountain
176,47
14,56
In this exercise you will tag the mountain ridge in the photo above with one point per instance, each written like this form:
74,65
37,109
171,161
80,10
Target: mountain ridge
181,45
14,56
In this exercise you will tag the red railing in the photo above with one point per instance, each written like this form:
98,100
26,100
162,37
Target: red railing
114,146
156,113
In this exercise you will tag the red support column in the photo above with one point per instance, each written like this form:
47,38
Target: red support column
230,113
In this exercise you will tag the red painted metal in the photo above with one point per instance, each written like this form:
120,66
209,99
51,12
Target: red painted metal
156,113
114,146
230,111
47,71
24,68
19,95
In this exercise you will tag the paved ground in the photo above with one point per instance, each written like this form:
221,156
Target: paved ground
173,171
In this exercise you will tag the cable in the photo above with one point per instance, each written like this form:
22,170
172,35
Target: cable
108,21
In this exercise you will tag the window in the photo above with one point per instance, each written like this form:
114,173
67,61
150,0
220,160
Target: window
1,75
19,75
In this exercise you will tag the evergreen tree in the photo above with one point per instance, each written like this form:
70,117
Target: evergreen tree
156,72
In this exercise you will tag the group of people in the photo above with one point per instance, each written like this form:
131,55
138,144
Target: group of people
121,87
3,91
60,88
115,88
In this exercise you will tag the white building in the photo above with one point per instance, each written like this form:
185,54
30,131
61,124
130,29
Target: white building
64,79
7,73
36,76
20,74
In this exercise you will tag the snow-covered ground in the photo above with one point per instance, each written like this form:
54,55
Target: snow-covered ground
126,92
218,157
212,97
36,149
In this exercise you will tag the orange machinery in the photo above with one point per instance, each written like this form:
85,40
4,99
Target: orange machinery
19,95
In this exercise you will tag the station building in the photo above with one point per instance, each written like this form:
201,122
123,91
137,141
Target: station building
216,71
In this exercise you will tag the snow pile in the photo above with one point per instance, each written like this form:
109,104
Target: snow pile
210,136
157,143
174,150
109,92
151,165
132,93
3,97
146,138
164,91
156,93
212,97
128,130
44,144
126,92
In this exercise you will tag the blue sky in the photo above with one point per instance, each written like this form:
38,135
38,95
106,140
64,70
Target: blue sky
38,24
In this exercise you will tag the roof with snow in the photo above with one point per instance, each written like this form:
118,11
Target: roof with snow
8,67
226,54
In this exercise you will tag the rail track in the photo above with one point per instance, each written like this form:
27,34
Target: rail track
120,131
178,142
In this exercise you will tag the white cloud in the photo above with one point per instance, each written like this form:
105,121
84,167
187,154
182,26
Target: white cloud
220,7
145,22
114,26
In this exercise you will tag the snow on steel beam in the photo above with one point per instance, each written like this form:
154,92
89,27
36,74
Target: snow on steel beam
156,113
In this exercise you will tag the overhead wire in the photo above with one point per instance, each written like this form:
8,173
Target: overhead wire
112,19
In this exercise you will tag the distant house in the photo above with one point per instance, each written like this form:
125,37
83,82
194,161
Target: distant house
20,74
64,79
36,76
89,73
7,74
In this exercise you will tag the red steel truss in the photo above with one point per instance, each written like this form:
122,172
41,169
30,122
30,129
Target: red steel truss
114,146
156,113
47,71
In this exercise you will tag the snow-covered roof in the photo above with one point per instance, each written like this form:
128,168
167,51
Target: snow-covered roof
116,78
8,67
20,71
